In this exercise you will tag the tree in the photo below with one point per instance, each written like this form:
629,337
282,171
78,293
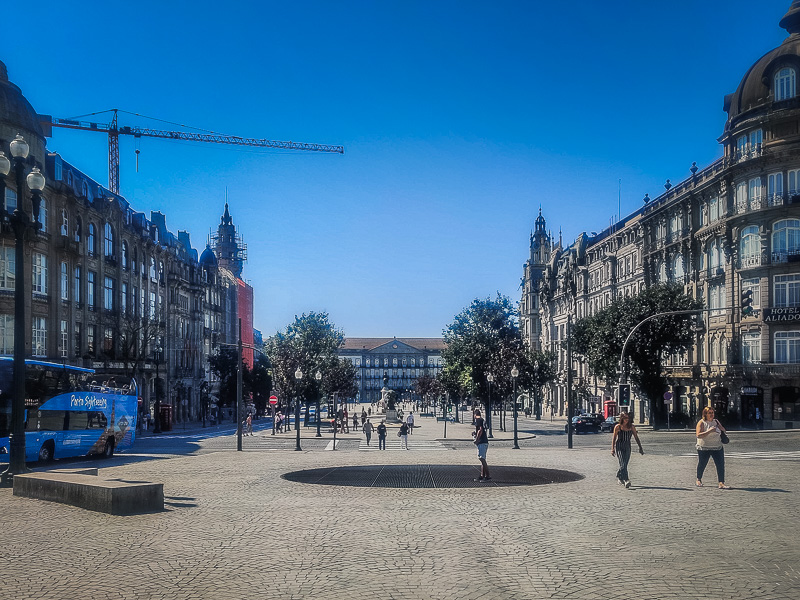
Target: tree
600,337
224,365
259,381
427,387
340,379
485,338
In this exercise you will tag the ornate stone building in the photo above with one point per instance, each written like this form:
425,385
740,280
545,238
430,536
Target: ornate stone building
730,228
110,286
403,360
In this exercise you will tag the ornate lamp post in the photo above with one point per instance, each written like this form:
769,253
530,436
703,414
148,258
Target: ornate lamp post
514,375
318,377
20,224
489,380
158,354
298,375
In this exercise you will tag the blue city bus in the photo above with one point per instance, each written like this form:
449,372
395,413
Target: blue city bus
68,412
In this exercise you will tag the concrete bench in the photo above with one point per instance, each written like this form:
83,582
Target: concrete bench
91,492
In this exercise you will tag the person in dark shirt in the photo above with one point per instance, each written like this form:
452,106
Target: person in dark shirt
382,436
482,442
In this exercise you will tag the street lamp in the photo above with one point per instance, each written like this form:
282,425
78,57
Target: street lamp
514,375
298,375
20,224
157,355
489,379
318,377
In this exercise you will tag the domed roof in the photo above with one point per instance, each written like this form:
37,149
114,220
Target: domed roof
16,112
756,86
208,258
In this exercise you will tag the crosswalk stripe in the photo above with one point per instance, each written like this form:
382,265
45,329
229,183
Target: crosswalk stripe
396,445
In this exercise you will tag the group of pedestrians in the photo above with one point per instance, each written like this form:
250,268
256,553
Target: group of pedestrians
710,434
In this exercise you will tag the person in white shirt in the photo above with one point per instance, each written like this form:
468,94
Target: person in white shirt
410,422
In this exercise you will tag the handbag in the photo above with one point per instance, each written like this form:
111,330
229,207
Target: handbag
723,437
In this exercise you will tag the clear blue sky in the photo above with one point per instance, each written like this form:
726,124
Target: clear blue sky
458,120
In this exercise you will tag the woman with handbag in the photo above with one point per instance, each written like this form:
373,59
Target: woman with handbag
711,435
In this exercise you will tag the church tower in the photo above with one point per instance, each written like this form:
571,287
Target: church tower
228,247
530,318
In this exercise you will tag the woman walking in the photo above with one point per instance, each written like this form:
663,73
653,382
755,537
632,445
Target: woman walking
621,446
403,435
709,445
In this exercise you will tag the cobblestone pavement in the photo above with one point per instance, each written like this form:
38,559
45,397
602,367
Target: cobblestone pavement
233,528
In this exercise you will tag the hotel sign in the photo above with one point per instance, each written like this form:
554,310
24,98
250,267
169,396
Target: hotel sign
781,315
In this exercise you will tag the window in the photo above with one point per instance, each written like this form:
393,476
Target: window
714,205
63,340
134,258
785,239
775,188
64,223
741,145
662,272
394,362
753,285
7,334
77,339
7,267
124,253
91,288
11,200
64,281
741,196
787,290
716,299
108,293
91,331
76,290
756,137
39,340
78,229
677,268
153,274
43,215
91,241
751,348
108,341
754,191
750,246
785,84
39,269
108,247
787,347
793,178
124,298
152,305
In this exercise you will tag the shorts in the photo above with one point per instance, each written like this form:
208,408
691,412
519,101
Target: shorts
482,448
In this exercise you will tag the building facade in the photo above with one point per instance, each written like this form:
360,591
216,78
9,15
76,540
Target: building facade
402,360
112,289
728,229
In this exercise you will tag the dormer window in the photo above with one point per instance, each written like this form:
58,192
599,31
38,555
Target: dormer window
785,84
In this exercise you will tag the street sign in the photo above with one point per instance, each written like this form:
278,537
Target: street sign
273,400
668,398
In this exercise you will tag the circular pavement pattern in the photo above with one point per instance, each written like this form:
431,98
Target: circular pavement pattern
430,476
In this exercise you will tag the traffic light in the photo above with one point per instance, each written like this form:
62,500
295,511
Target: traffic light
747,303
624,395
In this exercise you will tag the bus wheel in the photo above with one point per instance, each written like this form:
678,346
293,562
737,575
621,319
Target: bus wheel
108,451
46,452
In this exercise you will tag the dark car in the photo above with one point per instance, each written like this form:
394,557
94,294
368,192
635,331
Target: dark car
609,423
583,424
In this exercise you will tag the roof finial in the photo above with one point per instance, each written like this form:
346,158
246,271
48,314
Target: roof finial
791,20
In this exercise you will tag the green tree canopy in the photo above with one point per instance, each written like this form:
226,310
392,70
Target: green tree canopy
600,337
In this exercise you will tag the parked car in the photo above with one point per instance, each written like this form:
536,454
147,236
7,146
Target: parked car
609,424
583,424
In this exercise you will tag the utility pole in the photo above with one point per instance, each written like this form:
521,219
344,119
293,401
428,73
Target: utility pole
239,392
569,381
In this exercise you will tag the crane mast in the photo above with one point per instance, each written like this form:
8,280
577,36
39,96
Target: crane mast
114,131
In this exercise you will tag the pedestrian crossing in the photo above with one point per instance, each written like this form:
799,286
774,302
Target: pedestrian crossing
393,443
772,455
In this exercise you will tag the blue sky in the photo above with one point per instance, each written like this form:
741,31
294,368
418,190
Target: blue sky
458,120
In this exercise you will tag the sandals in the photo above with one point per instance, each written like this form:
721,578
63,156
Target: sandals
698,483
722,486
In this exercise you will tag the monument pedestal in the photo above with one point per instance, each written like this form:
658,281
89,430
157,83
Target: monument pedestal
391,416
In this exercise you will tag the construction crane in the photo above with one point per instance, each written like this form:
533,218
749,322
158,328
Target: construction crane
114,131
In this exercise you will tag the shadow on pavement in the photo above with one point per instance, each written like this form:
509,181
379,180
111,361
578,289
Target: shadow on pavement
658,487
743,489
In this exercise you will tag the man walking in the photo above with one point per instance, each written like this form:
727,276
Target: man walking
410,422
403,433
382,436
368,429
482,442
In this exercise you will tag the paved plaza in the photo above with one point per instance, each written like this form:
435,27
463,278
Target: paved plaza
235,528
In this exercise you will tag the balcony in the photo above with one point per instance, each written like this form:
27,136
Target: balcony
747,153
751,205
747,262
786,256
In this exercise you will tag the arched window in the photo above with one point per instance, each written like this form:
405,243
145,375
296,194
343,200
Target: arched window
677,268
749,244
124,253
785,84
91,240
134,259
662,272
785,239
78,229
64,222
108,248
153,274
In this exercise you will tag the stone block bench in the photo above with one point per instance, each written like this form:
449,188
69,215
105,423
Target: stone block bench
91,492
